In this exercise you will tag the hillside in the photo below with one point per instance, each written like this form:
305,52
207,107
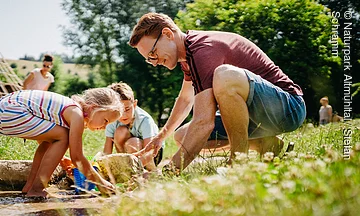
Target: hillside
24,67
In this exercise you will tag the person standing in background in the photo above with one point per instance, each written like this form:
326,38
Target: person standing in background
325,111
40,78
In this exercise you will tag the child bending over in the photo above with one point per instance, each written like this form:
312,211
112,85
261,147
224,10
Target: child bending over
57,123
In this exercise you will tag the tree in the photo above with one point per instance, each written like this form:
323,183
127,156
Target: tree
74,85
99,35
57,72
28,58
341,7
293,33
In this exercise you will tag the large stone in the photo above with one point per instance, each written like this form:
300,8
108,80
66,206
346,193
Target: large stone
120,167
14,173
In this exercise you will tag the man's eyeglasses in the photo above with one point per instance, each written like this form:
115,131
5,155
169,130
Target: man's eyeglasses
46,66
152,56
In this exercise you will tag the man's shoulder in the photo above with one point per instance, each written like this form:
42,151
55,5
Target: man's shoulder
205,43
198,35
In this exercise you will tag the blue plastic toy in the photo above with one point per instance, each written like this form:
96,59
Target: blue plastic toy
80,181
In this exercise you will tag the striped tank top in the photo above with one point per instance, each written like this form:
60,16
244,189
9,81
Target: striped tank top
30,113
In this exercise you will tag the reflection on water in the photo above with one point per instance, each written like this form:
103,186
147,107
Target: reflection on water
61,203
14,197
70,211
8,198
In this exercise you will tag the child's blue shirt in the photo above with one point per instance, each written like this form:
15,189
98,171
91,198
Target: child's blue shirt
143,126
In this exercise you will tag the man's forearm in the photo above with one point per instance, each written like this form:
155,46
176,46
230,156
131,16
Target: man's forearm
180,111
199,129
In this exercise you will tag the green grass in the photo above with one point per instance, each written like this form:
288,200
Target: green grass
16,149
314,179
93,142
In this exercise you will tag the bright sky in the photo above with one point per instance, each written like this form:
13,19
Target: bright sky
31,27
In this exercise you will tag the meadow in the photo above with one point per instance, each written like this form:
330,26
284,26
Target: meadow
25,66
314,179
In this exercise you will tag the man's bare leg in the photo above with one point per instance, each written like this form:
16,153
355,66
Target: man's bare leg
198,130
261,145
231,89
211,146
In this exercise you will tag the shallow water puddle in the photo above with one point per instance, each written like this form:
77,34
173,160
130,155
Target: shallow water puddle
61,203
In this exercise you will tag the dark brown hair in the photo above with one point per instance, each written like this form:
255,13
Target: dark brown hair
48,58
151,24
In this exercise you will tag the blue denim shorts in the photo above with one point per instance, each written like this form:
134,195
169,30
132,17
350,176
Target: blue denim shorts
272,111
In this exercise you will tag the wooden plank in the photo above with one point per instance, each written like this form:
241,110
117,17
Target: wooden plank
10,81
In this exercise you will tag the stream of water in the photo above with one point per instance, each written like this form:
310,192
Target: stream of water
60,203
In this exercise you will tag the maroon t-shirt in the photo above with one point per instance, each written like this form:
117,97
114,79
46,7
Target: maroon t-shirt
206,50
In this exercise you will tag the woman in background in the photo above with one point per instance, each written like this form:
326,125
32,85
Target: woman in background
40,78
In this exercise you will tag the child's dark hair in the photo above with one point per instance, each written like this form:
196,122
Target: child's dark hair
48,58
124,90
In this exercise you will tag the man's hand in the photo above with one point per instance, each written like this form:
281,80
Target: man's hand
155,144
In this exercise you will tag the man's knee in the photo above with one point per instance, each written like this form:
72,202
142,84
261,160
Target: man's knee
230,80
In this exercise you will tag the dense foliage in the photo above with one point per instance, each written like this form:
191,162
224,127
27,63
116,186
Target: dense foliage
99,36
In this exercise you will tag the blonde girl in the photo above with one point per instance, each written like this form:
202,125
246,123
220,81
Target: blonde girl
57,123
